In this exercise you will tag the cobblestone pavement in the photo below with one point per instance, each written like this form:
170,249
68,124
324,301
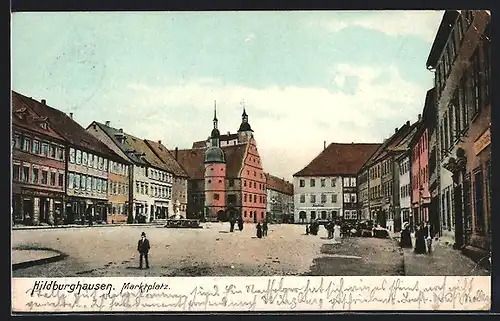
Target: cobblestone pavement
443,261
213,251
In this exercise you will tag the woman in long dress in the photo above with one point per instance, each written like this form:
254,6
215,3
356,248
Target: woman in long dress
420,246
336,232
406,236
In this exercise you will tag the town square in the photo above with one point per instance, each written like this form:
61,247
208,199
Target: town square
171,144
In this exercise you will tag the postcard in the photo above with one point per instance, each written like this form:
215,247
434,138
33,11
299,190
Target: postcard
251,161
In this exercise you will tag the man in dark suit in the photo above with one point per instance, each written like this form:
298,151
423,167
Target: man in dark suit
143,248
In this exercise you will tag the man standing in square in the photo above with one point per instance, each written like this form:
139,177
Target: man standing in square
143,248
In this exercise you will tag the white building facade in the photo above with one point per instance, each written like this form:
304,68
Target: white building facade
317,198
160,190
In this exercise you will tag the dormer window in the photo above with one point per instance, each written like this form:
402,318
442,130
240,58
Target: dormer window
43,125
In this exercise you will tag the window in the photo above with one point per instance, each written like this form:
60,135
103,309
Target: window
313,198
255,198
312,182
146,189
96,162
323,198
254,185
333,182
353,197
313,215
17,140
353,181
244,183
446,140
101,163
15,172
53,179
60,153
71,179
25,174
302,198
347,198
34,179
26,144
323,182
36,147
244,197
84,158
106,165
254,173
302,183
478,201
90,160
346,181
487,62
45,177
52,151
78,156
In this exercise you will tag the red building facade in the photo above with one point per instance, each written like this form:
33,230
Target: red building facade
38,168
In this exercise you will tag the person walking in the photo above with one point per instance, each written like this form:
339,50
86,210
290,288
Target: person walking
231,226
240,223
143,248
406,236
420,239
336,232
264,228
429,235
259,231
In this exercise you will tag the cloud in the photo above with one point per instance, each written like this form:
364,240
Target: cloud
422,24
290,123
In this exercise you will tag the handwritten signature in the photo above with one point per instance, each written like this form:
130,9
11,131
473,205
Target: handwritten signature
283,293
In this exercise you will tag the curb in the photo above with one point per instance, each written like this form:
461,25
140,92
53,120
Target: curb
61,256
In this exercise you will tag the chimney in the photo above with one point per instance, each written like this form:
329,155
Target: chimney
408,123
71,115
395,130
44,102
176,152
324,144
419,117
108,123
159,142
228,133
120,130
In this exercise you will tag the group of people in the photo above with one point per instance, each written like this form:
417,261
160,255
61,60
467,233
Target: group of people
262,229
233,221
333,228
424,235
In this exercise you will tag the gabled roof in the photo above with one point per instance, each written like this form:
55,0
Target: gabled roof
392,142
31,121
339,159
69,129
146,153
278,184
125,147
191,160
164,154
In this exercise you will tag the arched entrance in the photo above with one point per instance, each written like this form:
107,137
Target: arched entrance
222,216
302,216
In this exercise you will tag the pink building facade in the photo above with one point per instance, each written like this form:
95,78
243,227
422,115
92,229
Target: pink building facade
253,185
215,189
420,196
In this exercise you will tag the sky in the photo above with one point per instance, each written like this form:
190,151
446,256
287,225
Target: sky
305,77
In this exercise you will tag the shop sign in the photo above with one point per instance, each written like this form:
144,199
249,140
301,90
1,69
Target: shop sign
482,142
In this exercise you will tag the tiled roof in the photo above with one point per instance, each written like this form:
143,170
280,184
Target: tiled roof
279,184
164,154
393,141
191,160
141,147
200,144
339,159
69,129
126,148
32,120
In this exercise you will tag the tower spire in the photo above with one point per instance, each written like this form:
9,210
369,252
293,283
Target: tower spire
215,114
